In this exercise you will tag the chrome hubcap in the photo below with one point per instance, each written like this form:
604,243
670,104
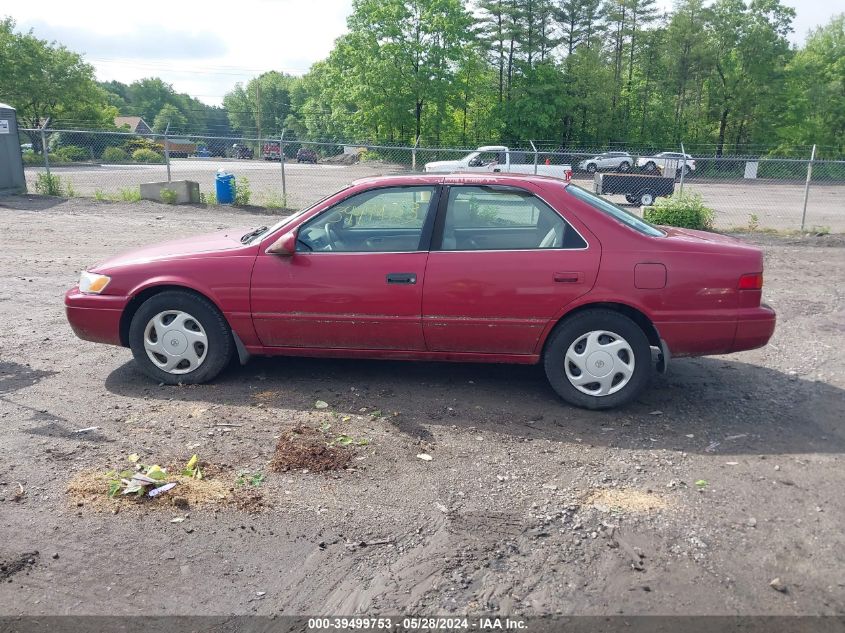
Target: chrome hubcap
175,342
599,363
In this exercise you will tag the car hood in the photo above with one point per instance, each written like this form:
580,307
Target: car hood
442,164
208,245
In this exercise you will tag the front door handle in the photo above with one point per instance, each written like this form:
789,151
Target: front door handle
401,278
569,278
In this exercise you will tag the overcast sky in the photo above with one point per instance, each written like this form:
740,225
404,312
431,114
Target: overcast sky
203,49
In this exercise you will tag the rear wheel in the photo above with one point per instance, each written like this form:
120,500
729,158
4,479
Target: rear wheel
180,337
650,166
598,359
646,198
624,166
591,168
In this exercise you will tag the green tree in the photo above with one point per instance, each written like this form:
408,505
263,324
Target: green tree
815,94
171,116
44,80
263,105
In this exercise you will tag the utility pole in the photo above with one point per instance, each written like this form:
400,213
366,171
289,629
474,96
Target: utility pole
258,110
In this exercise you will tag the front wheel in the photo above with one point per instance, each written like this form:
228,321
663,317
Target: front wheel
624,166
598,359
180,337
591,168
650,166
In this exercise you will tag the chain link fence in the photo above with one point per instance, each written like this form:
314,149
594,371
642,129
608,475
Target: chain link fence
755,191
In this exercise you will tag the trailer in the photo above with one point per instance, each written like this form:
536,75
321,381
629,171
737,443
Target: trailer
180,147
638,189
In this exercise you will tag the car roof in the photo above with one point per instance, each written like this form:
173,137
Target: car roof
457,178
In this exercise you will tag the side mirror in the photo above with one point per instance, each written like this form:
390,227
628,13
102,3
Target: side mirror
285,246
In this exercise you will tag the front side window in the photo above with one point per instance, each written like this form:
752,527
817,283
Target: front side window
380,220
485,218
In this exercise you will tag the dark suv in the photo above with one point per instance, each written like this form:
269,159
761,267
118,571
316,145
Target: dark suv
305,155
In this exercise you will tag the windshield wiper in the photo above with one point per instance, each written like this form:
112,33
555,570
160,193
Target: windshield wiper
248,236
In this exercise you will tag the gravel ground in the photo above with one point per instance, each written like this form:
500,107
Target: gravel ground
724,476
776,204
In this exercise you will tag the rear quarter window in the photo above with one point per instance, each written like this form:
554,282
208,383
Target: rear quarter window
617,213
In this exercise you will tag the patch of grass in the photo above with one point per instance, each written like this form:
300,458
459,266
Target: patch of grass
130,195
52,185
168,196
685,210
274,201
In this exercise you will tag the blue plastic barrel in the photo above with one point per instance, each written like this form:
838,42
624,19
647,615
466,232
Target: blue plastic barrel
225,187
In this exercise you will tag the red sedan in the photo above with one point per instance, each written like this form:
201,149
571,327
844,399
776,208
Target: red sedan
505,269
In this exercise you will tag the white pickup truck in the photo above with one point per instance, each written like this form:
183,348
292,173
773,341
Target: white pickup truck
497,158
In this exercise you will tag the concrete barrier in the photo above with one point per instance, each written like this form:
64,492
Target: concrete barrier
186,191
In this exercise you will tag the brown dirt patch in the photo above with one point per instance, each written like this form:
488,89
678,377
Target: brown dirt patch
305,448
90,488
625,500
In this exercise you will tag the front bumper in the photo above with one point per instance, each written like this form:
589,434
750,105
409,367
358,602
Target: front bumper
95,317
754,328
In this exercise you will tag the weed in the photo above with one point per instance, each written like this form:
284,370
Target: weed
168,196
685,210
49,185
246,477
242,192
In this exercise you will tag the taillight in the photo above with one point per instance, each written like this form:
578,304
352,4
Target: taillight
751,281
568,175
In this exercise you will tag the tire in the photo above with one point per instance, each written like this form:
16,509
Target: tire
646,198
605,328
650,166
202,338
591,168
631,199
624,166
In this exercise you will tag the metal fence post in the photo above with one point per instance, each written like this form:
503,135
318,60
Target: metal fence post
414,154
683,170
45,152
807,186
167,150
536,156
282,161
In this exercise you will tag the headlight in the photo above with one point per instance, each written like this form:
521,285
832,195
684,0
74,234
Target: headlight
92,283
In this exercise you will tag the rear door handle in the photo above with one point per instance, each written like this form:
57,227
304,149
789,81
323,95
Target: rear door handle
401,278
569,278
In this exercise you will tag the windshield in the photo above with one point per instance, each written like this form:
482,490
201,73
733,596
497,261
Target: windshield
617,213
291,218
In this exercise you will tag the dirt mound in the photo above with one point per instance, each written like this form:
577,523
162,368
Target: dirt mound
306,448
624,500
342,159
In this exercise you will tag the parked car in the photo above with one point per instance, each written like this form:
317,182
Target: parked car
664,159
619,161
481,267
242,151
499,159
305,155
271,150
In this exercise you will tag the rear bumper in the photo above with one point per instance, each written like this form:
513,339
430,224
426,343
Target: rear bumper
95,317
754,328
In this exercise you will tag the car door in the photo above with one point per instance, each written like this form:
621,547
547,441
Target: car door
503,264
356,278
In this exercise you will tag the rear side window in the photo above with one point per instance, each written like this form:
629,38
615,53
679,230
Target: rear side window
484,218
617,213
